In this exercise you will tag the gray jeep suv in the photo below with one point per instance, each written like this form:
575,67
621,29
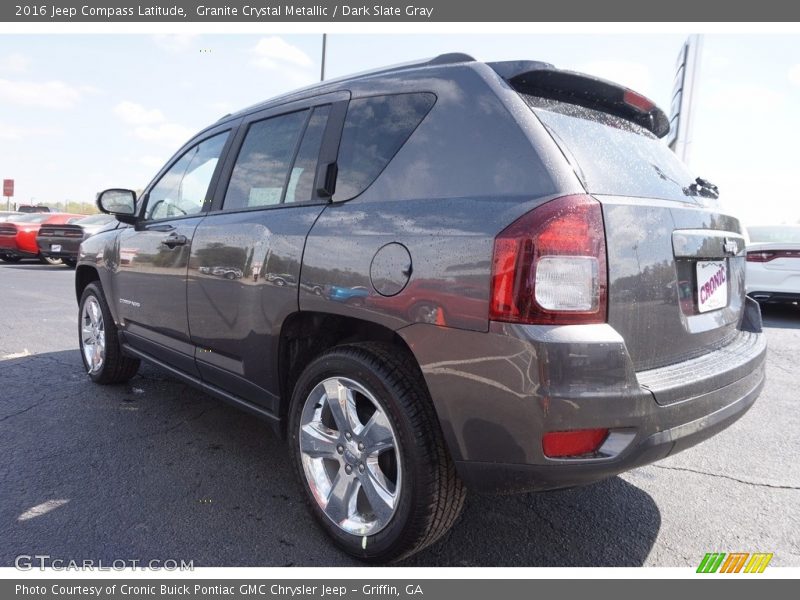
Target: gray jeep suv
436,276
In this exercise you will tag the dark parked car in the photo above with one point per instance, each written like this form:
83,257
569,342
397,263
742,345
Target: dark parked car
18,235
30,208
545,194
62,241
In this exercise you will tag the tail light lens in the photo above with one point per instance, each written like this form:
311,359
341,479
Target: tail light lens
549,266
764,256
563,444
768,255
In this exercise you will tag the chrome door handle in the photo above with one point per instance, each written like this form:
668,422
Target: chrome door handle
174,240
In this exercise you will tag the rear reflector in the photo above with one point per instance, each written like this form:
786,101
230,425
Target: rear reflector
562,444
549,266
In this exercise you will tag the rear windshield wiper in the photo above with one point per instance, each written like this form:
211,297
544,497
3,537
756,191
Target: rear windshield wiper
702,187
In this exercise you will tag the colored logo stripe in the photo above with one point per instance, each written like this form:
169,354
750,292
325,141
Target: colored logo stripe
711,562
734,562
758,562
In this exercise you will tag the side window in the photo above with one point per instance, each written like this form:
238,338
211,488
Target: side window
261,169
182,190
374,130
301,181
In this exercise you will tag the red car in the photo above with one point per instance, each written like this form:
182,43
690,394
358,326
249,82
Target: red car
18,235
424,300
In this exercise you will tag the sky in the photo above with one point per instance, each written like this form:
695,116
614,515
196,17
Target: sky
80,112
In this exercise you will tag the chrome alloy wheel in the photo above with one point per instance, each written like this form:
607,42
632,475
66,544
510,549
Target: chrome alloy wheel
350,456
93,335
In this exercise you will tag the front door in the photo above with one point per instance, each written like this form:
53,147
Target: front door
154,256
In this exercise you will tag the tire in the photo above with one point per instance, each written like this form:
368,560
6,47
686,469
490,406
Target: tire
112,366
426,495
70,262
10,259
48,260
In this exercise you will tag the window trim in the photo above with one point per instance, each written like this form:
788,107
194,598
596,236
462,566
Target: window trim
295,152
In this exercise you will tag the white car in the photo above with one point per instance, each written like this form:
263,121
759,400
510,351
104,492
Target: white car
773,263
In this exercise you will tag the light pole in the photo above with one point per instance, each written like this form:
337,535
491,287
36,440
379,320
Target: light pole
322,68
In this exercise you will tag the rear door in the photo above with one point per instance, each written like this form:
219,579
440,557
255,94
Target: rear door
153,257
675,257
244,269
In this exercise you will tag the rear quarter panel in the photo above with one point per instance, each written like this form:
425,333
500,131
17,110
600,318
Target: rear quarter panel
468,170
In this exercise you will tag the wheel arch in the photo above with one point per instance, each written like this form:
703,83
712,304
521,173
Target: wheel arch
84,275
307,334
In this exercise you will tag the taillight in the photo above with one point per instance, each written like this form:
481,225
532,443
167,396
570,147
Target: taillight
768,255
760,256
549,266
563,444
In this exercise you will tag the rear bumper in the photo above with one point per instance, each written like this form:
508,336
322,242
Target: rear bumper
69,247
508,387
511,478
772,285
774,297
13,251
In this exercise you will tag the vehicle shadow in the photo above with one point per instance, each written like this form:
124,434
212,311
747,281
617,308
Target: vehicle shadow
33,264
608,524
784,316
153,469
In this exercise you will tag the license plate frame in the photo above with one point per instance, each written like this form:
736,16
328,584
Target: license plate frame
712,285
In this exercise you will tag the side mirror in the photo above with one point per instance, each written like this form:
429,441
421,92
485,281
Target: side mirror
118,202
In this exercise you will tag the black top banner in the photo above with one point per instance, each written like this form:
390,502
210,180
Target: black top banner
266,11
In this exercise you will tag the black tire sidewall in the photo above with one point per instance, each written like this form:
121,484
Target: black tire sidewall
385,543
94,290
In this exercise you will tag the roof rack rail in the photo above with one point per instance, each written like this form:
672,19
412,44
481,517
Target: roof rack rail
443,59
450,58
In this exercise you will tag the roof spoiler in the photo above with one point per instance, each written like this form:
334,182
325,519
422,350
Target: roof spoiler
544,80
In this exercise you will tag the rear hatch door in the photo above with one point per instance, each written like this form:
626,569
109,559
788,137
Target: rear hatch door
676,258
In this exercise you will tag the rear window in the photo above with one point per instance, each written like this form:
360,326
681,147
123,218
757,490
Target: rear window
611,155
374,130
775,233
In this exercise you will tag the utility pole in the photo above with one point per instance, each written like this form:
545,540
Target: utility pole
322,69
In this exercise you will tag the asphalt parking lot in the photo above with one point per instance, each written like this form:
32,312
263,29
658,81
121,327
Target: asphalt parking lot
156,470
